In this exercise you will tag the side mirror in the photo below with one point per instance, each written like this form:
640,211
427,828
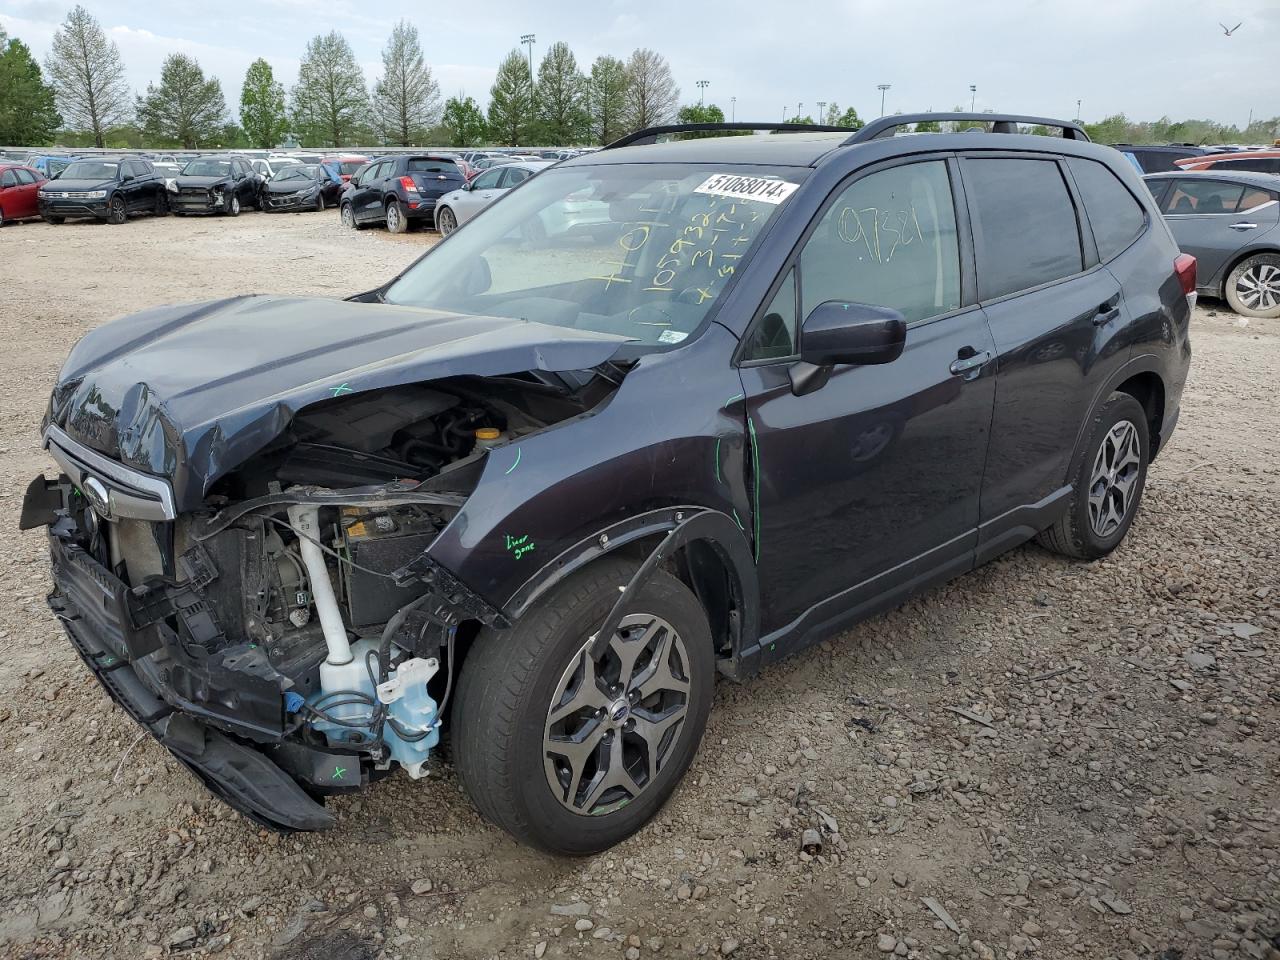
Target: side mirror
839,331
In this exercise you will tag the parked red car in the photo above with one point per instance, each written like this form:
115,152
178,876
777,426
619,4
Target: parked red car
1253,161
345,163
18,188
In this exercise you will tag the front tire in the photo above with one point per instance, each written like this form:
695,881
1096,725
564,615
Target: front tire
570,756
233,205
396,220
348,216
1107,482
56,221
116,212
1253,287
320,203
446,221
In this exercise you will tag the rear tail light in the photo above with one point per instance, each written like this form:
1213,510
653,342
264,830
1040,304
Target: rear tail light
411,187
1185,268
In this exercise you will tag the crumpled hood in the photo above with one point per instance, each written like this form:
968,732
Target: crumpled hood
190,392
202,182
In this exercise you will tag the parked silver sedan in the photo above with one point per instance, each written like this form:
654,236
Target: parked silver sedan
459,206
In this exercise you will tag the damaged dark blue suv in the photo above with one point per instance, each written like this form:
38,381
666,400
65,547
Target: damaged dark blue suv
669,410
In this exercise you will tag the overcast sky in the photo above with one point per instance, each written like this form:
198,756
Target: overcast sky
1147,58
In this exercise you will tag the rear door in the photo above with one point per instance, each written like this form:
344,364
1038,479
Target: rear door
1056,316
1213,220
871,480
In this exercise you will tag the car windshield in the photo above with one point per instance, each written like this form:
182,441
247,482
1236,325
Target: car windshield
297,171
90,170
207,168
348,167
641,250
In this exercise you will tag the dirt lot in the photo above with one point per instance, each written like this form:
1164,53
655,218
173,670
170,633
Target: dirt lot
1109,791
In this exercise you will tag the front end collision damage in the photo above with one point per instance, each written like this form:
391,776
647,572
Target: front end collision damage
205,627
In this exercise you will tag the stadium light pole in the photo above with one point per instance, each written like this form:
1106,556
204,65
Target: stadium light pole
702,92
527,39
822,106
973,96
733,109
882,87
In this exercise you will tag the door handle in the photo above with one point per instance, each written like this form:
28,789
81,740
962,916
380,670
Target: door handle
1107,312
1244,226
971,365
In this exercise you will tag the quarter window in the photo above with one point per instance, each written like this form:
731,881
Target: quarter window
888,240
1024,224
1253,197
1115,216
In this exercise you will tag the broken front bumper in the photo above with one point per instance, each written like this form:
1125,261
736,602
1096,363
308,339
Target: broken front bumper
93,608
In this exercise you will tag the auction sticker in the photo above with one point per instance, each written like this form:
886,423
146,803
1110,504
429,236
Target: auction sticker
737,187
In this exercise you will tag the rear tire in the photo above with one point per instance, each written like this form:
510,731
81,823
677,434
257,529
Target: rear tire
1253,287
515,683
397,222
1108,478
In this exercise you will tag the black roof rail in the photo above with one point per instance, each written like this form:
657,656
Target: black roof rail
651,134
1001,123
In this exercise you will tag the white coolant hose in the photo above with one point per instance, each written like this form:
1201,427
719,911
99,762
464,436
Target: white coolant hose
305,520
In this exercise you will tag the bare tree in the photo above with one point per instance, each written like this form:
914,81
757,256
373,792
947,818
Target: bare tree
652,94
88,77
406,99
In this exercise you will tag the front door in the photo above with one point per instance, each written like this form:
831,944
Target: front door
873,479
484,190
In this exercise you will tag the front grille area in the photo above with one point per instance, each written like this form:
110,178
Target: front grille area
129,493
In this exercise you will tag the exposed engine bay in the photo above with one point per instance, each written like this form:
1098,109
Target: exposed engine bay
301,612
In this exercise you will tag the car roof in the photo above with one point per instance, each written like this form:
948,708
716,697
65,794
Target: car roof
527,164
800,149
1233,155
1252,178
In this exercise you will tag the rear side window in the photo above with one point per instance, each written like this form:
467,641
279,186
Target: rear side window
1256,164
1253,197
25,176
515,175
1115,216
1200,197
1024,224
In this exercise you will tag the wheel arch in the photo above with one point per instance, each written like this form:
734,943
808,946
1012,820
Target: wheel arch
1142,378
1220,288
1148,389
712,557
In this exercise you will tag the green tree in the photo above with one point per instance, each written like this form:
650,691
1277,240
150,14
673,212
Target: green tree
1112,129
262,106
329,104
463,122
511,109
562,98
87,76
700,113
928,126
607,99
28,116
406,98
652,93
849,118
805,119
187,108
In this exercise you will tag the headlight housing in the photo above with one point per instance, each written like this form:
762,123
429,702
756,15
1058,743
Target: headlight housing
171,185
96,194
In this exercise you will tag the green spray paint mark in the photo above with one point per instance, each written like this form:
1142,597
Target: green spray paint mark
519,546
739,519
342,388
718,479
338,772
755,480
734,399
516,464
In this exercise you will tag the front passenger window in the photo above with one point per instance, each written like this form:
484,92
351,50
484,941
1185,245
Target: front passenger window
888,240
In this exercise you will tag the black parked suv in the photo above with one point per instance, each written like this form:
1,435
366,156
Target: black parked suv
399,191
105,188
215,185
544,492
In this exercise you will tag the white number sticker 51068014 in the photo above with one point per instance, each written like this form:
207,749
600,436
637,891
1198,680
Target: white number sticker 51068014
764,189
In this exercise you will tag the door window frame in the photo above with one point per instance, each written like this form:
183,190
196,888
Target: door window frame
964,243
1088,249
1078,199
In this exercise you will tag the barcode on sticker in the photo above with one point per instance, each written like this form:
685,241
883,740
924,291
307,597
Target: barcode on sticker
764,189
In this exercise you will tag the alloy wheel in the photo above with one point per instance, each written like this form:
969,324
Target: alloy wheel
447,222
348,216
1259,287
1113,483
393,217
613,724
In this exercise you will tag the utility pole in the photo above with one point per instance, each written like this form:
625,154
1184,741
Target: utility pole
784,114
882,87
733,109
822,107
1077,111
527,39
702,92
973,96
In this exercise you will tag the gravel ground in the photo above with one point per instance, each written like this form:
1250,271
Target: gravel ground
1044,758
